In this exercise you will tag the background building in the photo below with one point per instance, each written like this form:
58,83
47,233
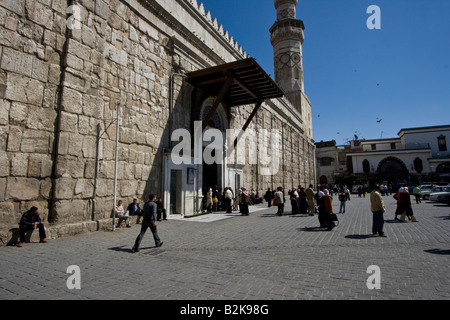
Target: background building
331,163
64,78
417,155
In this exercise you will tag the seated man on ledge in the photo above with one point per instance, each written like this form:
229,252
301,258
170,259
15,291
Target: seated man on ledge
31,220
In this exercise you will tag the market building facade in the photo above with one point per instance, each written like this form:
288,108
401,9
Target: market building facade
417,155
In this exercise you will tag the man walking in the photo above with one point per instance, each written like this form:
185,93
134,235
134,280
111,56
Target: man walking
149,221
377,207
417,192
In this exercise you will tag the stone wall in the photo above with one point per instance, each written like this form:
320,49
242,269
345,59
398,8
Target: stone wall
60,87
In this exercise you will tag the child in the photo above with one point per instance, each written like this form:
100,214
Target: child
342,199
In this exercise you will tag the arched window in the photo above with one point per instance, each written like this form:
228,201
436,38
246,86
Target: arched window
442,143
418,165
366,166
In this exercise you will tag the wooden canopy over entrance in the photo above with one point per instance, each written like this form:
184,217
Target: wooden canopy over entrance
238,83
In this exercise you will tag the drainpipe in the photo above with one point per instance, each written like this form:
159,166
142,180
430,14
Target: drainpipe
172,78
115,165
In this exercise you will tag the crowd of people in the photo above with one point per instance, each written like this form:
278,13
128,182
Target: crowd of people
303,201
228,201
134,209
307,201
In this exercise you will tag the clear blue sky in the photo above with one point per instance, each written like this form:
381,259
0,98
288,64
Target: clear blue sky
355,76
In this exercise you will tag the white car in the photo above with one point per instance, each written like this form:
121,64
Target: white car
441,196
426,193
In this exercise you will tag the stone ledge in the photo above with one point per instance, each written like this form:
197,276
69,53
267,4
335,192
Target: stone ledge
57,231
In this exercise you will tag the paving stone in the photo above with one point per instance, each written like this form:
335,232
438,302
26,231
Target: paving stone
260,257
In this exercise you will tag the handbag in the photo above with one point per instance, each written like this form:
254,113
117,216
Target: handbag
334,218
274,202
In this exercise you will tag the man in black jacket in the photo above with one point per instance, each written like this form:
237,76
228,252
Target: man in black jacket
31,220
149,221
134,210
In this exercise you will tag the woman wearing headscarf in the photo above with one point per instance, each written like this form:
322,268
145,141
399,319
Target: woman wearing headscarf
405,198
400,206
228,199
324,210
245,198
294,199
302,202
269,197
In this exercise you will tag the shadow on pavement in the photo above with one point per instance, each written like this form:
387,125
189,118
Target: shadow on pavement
438,251
359,236
121,248
311,229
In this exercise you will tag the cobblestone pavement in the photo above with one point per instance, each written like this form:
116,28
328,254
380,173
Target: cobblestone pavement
231,257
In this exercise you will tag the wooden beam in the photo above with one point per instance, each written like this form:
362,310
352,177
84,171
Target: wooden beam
218,100
243,87
252,115
247,123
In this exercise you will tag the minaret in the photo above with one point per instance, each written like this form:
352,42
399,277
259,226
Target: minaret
287,39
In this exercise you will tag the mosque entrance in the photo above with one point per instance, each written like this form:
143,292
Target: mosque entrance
210,176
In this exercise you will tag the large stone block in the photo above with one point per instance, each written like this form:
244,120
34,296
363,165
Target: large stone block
18,113
23,89
90,147
64,188
74,62
39,165
60,6
16,6
70,211
4,112
72,101
17,62
8,214
39,13
22,189
19,165
39,70
149,30
69,122
46,187
40,118
81,51
88,36
105,187
36,141
14,138
4,167
128,188
93,106
102,9
75,145
84,188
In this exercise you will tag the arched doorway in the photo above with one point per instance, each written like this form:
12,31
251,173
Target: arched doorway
443,171
212,173
323,180
392,168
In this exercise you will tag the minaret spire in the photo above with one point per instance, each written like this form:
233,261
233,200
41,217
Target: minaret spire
287,39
